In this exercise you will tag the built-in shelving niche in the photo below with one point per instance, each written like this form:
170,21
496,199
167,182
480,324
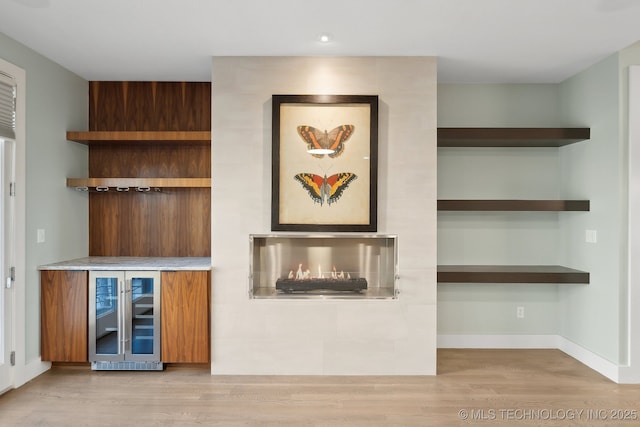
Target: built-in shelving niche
149,168
511,138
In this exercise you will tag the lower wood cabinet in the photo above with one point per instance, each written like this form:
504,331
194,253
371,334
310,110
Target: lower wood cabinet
184,315
63,315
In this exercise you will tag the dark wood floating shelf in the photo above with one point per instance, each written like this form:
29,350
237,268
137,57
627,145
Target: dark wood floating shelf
510,137
119,137
511,274
513,205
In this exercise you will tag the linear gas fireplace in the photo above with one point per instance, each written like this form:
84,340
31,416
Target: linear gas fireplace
323,266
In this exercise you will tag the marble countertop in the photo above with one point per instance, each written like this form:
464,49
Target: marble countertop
132,263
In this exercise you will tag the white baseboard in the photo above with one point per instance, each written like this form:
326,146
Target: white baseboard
29,371
498,341
587,357
592,360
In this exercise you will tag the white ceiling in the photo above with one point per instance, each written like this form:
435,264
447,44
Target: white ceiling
495,41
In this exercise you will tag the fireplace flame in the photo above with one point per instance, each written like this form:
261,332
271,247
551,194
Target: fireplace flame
305,274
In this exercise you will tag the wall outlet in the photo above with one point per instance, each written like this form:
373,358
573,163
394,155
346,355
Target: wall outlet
591,236
41,237
520,312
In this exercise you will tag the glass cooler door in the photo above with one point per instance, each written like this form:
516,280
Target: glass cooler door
105,315
143,328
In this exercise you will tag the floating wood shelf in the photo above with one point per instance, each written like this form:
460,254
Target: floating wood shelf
510,137
511,274
513,205
119,137
135,183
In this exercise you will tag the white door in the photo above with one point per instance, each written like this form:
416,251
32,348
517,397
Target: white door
7,238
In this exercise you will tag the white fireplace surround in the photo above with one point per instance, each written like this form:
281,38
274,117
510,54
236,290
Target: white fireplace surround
310,336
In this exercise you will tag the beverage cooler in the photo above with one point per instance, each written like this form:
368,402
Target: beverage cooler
124,320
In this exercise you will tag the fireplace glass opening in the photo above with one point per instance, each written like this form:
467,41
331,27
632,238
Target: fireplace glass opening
336,266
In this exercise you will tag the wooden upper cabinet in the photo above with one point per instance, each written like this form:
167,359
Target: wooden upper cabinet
64,311
185,317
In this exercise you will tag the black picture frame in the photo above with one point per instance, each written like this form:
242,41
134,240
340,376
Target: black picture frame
303,197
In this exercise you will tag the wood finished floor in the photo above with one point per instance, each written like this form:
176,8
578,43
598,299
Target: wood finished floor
491,387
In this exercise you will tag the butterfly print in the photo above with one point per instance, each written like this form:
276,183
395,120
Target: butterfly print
319,140
323,189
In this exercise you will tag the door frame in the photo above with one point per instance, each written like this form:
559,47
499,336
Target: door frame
23,370
7,300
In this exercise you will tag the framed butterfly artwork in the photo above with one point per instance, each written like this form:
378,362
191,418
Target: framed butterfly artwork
324,165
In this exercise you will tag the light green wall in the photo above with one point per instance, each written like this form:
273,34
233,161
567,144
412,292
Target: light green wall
498,105
56,101
596,170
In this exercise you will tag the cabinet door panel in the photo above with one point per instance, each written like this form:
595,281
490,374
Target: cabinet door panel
185,317
63,308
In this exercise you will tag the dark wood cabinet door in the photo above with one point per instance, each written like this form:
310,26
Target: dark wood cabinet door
64,311
185,317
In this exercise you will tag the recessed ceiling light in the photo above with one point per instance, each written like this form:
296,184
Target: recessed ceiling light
324,38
